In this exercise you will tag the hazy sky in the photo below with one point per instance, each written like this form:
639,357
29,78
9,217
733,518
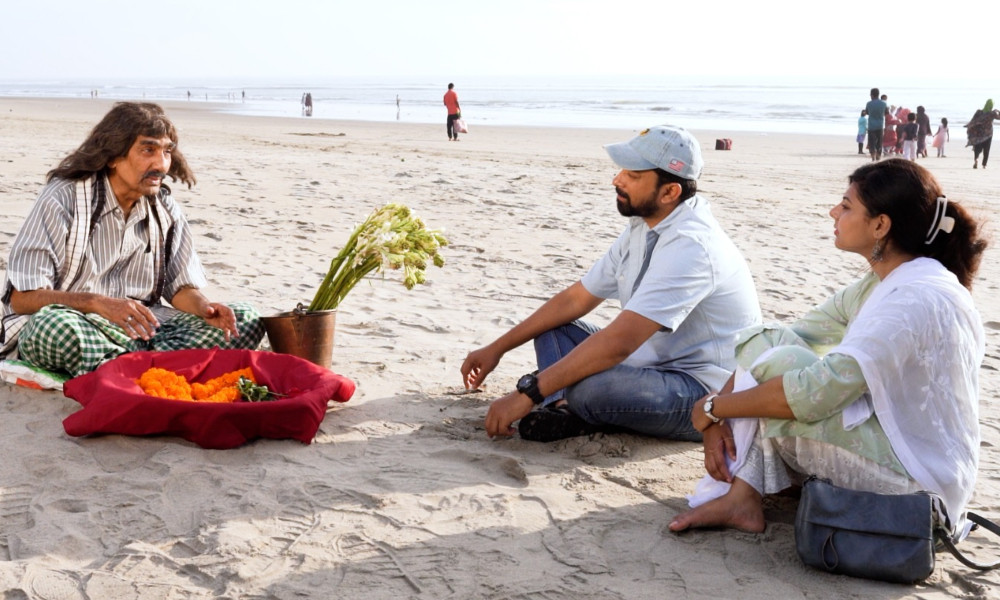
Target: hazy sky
296,39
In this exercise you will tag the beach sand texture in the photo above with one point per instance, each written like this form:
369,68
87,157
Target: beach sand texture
401,495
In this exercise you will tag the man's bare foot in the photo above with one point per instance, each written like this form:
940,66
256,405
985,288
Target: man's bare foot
739,509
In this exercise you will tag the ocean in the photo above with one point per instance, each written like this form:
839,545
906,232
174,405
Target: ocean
727,104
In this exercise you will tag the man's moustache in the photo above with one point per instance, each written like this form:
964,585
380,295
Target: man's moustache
157,174
621,193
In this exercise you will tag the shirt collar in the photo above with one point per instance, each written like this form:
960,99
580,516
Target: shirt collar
111,203
676,216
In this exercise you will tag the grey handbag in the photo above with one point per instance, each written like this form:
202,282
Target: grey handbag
875,536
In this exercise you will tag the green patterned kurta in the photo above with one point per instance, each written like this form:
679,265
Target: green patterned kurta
818,394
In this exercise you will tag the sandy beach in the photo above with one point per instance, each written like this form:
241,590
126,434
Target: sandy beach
401,494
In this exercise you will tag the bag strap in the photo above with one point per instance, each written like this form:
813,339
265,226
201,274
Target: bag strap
965,560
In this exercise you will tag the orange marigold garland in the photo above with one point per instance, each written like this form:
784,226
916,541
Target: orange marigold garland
223,383
167,384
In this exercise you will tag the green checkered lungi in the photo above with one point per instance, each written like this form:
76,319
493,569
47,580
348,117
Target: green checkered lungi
59,338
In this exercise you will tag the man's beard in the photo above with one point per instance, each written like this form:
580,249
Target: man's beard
627,209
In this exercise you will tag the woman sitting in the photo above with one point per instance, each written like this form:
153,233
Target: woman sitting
892,405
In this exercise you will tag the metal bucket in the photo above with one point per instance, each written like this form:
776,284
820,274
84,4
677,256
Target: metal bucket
303,333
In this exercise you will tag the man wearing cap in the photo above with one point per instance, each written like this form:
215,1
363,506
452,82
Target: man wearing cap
685,292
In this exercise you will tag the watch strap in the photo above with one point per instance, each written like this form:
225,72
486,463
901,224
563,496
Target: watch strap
709,406
530,388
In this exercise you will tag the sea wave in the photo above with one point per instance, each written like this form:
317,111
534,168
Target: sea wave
767,106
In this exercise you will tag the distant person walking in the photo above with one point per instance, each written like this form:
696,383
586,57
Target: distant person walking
908,136
876,124
924,130
980,132
862,130
307,104
454,111
940,137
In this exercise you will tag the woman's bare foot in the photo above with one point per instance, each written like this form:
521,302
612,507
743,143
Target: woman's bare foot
739,509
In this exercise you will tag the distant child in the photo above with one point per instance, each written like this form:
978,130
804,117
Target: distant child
908,135
940,137
901,118
889,135
862,130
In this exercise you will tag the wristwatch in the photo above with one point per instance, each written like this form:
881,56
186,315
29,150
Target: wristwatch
528,385
709,405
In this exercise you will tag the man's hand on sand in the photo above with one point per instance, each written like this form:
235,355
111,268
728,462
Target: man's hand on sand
478,364
505,411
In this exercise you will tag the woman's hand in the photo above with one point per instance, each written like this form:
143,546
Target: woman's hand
718,443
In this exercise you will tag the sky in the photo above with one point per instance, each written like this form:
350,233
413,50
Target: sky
327,39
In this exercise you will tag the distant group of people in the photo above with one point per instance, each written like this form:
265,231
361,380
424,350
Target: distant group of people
897,130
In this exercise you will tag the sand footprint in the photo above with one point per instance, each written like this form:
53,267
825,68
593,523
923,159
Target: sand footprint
45,584
118,453
15,509
421,568
498,469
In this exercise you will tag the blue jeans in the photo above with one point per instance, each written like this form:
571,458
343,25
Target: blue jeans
643,400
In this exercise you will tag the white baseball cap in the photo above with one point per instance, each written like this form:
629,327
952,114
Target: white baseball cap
672,149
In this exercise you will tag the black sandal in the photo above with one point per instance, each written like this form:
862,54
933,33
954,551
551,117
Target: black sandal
553,423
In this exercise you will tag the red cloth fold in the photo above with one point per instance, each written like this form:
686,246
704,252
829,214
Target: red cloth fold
114,403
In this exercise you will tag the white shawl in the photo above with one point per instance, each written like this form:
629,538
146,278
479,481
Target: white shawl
919,341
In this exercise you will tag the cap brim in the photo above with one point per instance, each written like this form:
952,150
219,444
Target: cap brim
625,157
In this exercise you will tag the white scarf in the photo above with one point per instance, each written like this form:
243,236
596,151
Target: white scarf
919,341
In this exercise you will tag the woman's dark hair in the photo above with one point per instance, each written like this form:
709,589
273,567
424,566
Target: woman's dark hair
907,193
689,187
113,137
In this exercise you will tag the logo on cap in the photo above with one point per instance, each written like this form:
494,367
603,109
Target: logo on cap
676,165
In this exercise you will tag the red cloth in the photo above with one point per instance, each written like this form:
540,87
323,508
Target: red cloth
114,403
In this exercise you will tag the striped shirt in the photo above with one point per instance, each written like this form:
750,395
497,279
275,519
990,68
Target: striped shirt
121,258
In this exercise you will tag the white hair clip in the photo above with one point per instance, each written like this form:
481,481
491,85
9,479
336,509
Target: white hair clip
941,221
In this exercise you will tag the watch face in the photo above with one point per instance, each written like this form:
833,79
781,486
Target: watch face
524,382
528,385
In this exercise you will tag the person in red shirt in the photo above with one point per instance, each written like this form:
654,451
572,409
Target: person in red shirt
454,111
